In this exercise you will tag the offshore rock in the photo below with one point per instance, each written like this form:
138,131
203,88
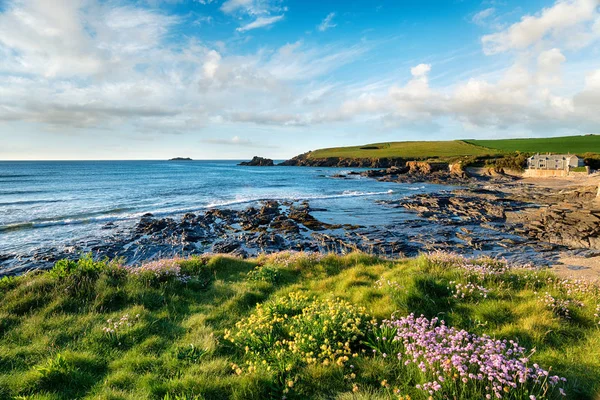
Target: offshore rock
258,162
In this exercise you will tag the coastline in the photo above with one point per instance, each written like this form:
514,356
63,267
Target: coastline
482,213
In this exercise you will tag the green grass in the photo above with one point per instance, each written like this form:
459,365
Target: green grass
405,150
579,169
448,150
566,144
174,329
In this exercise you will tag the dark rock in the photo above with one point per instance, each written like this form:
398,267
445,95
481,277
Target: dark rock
258,162
226,246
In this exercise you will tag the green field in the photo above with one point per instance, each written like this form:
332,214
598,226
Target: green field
407,150
567,144
297,326
458,148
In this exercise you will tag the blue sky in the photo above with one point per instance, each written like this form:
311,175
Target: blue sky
152,79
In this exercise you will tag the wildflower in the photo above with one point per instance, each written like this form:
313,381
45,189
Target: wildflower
468,290
441,351
561,307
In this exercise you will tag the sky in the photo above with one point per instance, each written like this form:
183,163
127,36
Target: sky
230,79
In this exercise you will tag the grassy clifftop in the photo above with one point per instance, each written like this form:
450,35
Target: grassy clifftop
566,144
406,150
461,148
298,326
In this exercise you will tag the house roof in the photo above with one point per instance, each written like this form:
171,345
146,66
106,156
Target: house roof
553,157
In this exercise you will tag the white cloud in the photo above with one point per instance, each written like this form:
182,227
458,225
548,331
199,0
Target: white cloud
556,24
421,70
549,67
260,22
294,61
231,6
211,64
327,22
589,98
117,69
482,16
76,37
238,142
263,13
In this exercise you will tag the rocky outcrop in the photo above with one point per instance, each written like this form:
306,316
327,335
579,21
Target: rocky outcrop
304,160
458,205
419,172
421,167
568,218
576,228
457,169
181,159
391,169
258,162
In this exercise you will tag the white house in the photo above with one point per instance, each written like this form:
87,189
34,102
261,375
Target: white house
555,162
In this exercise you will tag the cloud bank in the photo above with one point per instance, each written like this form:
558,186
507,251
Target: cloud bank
84,65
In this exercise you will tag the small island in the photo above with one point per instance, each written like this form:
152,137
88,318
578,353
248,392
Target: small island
258,162
181,159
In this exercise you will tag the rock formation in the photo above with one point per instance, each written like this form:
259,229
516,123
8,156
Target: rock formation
258,162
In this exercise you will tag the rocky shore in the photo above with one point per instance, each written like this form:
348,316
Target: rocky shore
563,216
491,213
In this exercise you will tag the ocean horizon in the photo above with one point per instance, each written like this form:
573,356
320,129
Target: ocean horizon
56,204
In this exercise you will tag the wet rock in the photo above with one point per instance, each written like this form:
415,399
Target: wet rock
226,246
284,224
270,240
109,225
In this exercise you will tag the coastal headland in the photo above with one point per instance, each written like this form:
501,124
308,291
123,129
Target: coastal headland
275,300
487,208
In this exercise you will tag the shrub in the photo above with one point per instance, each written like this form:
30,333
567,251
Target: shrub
86,266
296,330
263,273
516,161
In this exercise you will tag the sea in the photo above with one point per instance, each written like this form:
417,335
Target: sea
52,204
